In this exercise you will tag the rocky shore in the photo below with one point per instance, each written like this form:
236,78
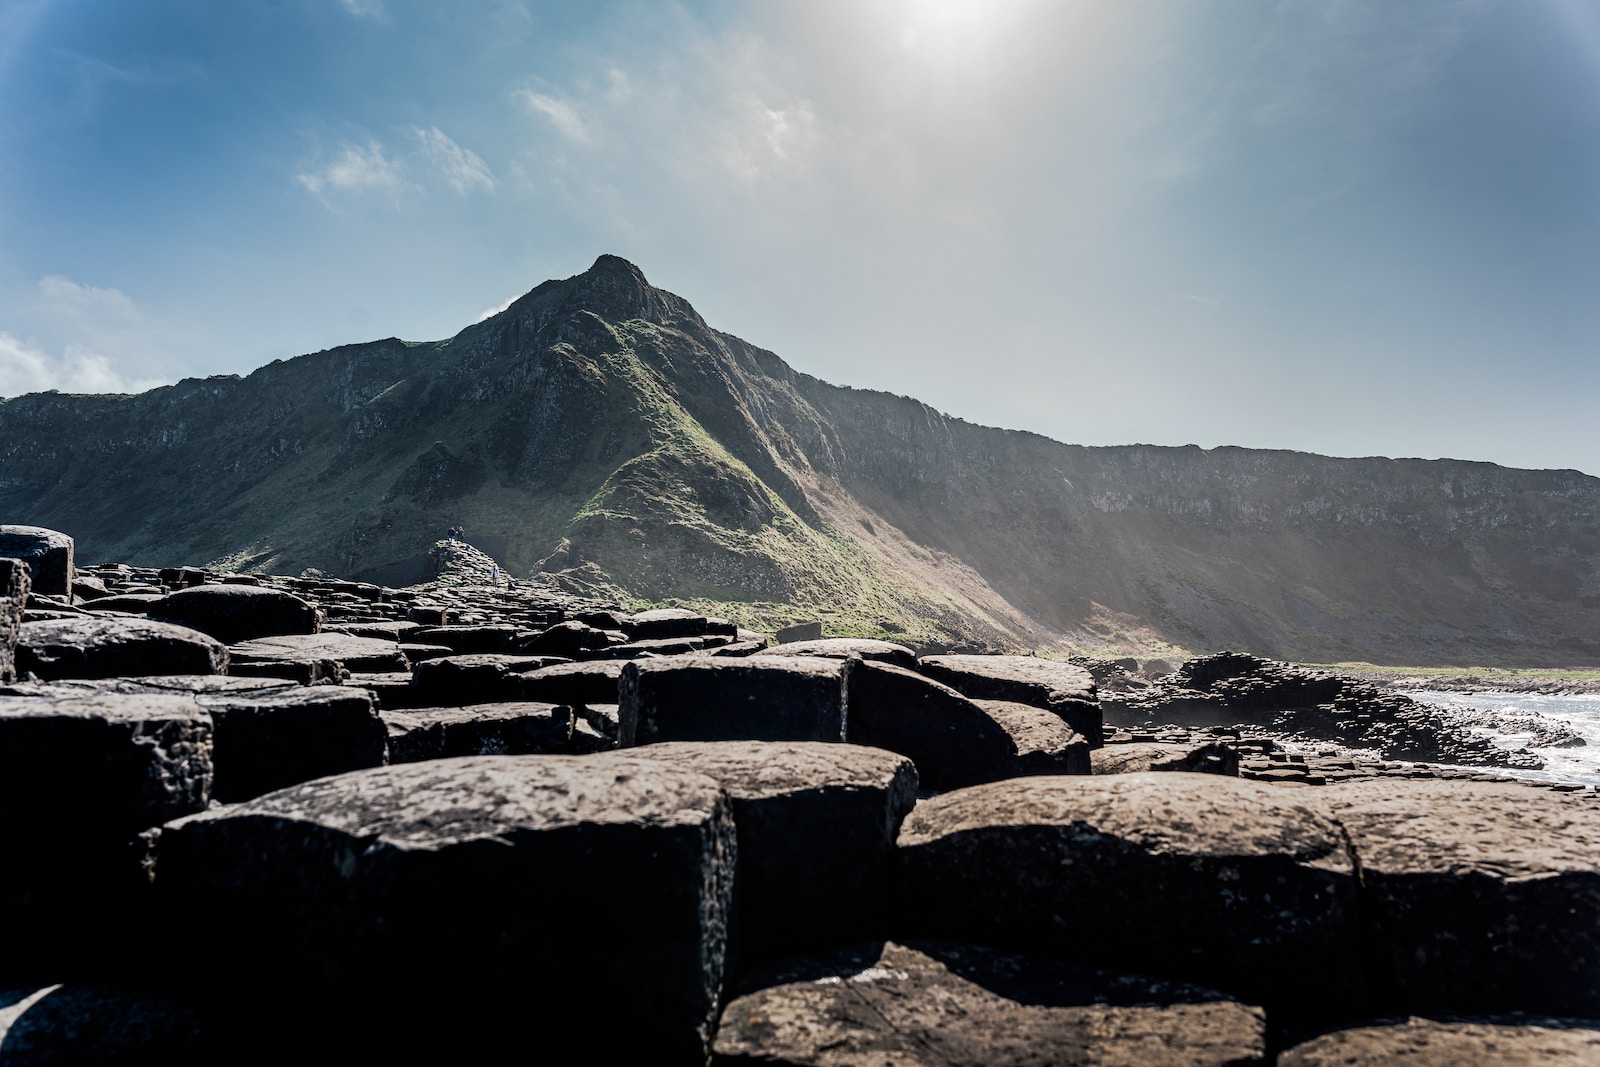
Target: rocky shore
265,819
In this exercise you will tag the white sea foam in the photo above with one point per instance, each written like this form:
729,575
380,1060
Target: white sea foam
1579,763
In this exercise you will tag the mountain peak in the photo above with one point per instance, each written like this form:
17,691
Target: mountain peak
615,268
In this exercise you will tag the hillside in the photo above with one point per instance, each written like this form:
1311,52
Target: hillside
599,431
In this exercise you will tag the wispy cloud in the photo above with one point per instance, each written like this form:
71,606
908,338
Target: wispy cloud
367,9
561,113
492,312
27,367
464,169
359,169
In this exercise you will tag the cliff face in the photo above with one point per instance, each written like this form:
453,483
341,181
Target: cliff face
598,429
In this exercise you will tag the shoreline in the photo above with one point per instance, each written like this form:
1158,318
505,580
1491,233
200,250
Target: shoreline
1412,679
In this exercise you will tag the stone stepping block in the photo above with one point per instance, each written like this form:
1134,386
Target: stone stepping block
453,681
967,1006
569,640
127,603
1196,877
1045,744
1534,1042
370,655
507,729
658,646
494,906
14,585
952,740
106,647
1483,897
467,640
268,739
86,1024
1212,758
81,776
47,553
817,824
665,622
742,647
385,630
1064,688
592,682
235,613
840,647
767,698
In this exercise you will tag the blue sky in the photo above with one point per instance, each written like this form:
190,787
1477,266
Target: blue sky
1354,227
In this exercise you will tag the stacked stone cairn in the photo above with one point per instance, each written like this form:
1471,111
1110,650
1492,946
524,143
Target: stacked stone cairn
267,820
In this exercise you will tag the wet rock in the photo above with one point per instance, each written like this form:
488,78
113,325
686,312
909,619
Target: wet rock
86,1024
817,824
1211,758
47,553
952,740
234,613
503,729
1063,688
766,698
1532,1042
298,651
841,647
14,585
453,681
268,739
1208,879
105,647
498,900
81,775
1484,897
967,1006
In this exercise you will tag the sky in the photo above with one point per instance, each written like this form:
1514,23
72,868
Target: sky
1352,227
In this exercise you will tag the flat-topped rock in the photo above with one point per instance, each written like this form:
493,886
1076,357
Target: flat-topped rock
1044,743
664,622
841,647
966,1006
267,739
486,638
453,681
590,682
498,729
817,824
570,640
1231,884
510,904
105,647
1055,685
765,698
952,740
1425,1043
353,654
47,554
1211,758
234,613
1484,896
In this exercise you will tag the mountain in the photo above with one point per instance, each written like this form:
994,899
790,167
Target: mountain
599,432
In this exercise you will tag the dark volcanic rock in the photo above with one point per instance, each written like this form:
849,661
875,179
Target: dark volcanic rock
1212,758
108,647
269,739
491,907
664,622
467,640
1064,688
48,554
1044,743
817,824
568,683
84,1024
234,613
966,1006
506,729
841,647
766,698
1484,897
1228,883
80,777
452,681
566,639
952,740
353,654
14,584
1425,1043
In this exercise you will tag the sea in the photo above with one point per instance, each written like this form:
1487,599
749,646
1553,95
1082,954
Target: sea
1579,764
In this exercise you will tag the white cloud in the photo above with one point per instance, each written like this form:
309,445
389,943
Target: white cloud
369,9
26,367
359,169
464,169
492,312
560,112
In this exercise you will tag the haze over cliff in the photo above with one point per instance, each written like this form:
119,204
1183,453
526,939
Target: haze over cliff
599,431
